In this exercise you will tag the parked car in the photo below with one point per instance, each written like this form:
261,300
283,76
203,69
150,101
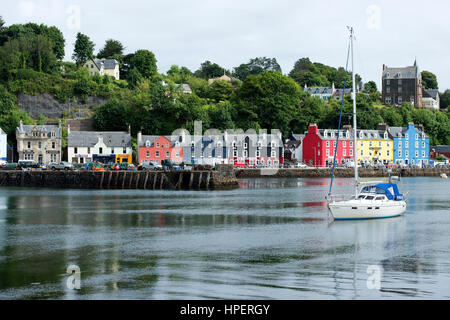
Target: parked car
60,166
166,164
351,164
300,165
27,165
10,166
149,165
240,165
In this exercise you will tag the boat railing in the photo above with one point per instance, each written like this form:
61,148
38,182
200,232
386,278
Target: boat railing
338,197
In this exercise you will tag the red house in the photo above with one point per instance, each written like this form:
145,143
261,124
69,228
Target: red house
319,145
157,148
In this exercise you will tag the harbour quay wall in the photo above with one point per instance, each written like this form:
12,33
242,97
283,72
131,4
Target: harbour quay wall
339,172
222,178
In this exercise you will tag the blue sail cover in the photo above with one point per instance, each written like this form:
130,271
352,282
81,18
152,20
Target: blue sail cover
388,189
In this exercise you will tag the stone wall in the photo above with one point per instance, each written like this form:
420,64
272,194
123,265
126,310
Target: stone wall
49,107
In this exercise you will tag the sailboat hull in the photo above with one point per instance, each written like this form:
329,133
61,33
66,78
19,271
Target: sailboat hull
356,210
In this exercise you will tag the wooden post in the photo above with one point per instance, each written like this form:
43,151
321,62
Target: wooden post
123,179
207,180
161,182
200,179
131,179
154,180
191,179
180,181
117,179
137,179
109,179
101,180
145,181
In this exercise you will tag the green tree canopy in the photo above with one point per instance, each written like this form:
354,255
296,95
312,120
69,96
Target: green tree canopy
370,87
145,63
111,49
209,70
429,80
256,66
84,49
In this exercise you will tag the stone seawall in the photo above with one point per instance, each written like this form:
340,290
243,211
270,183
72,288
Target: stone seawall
339,172
151,180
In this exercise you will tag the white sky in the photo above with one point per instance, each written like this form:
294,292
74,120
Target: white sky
231,32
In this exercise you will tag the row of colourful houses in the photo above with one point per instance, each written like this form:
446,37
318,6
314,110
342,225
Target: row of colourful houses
316,147
387,145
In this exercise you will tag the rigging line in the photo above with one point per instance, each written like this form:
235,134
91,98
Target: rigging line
340,118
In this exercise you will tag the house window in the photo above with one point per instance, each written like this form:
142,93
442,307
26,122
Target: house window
388,89
257,153
157,144
147,143
53,145
75,150
387,153
351,152
399,100
406,153
89,150
399,82
399,153
423,154
167,154
362,152
273,154
417,153
406,144
417,144
399,89
379,143
344,144
417,136
328,143
157,153
29,144
245,145
387,100
124,150
388,82
344,153
245,154
351,144
148,154
406,136
328,152
234,153
112,150
423,144
167,144
334,144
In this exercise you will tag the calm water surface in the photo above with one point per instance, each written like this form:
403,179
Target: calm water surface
270,239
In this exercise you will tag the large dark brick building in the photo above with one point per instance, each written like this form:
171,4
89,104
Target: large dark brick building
402,85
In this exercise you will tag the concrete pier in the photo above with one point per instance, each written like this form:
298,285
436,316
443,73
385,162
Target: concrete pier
221,178
339,172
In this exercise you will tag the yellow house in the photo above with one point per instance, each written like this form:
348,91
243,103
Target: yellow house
374,146
102,66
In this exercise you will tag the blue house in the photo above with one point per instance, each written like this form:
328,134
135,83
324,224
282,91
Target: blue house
411,145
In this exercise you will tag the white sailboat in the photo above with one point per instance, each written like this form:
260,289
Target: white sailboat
373,201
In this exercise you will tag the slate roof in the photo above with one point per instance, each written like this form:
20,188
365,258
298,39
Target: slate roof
394,131
107,63
43,128
405,73
153,138
431,93
330,134
319,90
90,138
441,149
372,135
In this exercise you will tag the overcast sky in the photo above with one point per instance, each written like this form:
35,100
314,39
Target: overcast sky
231,32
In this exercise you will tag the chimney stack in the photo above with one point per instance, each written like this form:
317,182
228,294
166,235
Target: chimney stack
383,126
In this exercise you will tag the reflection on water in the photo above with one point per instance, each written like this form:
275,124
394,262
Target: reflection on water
270,239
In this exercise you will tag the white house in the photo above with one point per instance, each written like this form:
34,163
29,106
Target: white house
103,66
88,146
3,147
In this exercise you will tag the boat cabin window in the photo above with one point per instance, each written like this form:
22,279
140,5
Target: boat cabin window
369,197
379,198
361,196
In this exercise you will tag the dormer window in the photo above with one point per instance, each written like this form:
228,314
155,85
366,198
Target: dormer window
385,135
147,143
399,75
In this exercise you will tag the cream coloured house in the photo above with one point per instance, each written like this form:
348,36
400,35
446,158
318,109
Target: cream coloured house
3,146
87,146
41,143
103,66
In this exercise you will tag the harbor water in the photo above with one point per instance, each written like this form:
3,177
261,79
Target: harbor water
269,239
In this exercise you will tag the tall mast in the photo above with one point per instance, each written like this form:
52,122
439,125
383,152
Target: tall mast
354,114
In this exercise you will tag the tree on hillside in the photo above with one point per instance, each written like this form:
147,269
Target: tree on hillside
429,80
111,48
256,66
444,99
270,99
17,31
31,51
209,70
84,49
370,87
10,114
145,62
179,75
